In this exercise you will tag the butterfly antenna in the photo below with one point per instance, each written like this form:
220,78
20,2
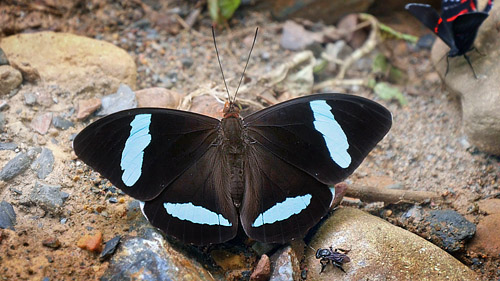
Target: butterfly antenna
220,65
248,59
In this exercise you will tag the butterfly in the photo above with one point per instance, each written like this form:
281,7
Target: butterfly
198,177
457,26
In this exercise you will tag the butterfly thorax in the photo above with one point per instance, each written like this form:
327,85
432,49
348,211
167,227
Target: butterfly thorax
233,149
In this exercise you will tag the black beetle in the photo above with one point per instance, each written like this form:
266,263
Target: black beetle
337,257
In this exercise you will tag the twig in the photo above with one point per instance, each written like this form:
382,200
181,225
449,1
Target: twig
388,196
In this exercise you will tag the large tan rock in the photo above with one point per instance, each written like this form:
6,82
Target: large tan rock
380,251
75,62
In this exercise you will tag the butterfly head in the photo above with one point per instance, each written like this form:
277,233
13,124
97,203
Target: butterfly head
231,110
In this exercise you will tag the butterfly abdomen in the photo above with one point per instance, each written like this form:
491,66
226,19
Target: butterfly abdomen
233,148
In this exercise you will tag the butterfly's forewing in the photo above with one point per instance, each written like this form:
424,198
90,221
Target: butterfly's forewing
197,208
451,9
325,135
297,148
431,19
141,151
465,28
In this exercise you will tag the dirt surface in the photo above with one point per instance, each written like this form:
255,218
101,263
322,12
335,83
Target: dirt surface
425,150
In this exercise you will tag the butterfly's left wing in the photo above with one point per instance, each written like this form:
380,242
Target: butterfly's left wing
431,19
296,150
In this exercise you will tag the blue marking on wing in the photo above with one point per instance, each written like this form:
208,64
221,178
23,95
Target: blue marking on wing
283,210
133,152
195,214
335,138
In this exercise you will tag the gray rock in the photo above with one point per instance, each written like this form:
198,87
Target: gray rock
48,197
123,99
449,229
296,38
380,251
7,146
29,98
480,97
3,58
150,257
15,166
44,164
10,78
2,122
285,265
7,215
110,248
61,123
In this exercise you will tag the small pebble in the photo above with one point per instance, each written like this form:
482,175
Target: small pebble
15,167
52,242
113,200
92,243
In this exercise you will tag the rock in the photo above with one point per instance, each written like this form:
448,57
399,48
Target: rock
52,242
87,107
15,166
110,248
157,97
8,146
285,265
29,98
262,271
61,123
92,243
318,10
10,78
48,197
29,73
151,258
44,164
449,230
426,41
187,62
379,249
7,215
3,58
296,38
123,99
487,241
72,61
480,97
41,122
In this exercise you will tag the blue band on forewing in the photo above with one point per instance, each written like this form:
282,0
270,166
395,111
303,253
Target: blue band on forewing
195,214
133,152
335,138
283,210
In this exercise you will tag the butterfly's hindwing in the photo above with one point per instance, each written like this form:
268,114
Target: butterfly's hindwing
141,151
280,202
197,208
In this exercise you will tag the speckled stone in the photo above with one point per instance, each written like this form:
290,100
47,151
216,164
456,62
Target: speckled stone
380,251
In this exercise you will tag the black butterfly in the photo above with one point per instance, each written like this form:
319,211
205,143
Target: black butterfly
200,177
457,26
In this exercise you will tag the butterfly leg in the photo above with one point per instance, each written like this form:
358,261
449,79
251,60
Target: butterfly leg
477,50
470,64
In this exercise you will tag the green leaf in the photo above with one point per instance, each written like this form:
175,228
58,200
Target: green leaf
222,10
388,92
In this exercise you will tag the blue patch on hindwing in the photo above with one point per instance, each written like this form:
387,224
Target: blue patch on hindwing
283,210
335,138
195,214
133,152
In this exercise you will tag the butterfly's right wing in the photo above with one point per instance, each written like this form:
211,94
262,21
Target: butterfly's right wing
430,18
465,28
